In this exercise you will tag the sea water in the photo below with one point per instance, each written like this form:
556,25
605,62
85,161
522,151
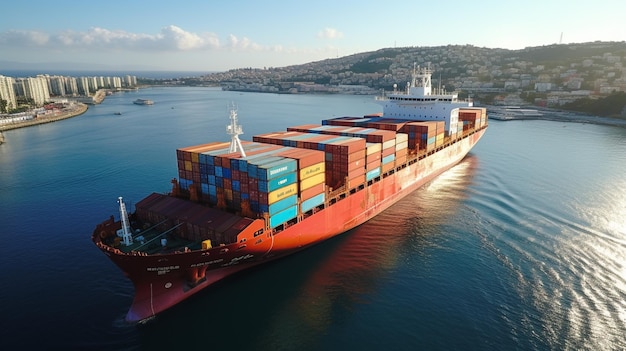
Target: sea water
520,246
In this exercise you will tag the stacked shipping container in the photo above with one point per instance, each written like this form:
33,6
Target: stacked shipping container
473,117
286,173
270,180
344,156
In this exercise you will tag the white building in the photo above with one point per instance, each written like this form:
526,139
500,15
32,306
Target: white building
7,92
33,88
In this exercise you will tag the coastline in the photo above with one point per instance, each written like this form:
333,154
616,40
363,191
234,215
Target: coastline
545,113
73,110
555,115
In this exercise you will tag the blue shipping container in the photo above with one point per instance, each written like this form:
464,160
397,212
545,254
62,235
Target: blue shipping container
388,158
253,164
372,174
278,168
270,185
312,202
279,206
283,216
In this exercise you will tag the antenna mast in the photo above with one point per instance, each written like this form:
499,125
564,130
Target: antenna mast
234,130
125,233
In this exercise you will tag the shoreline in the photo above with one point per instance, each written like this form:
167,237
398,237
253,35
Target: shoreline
554,115
76,109
546,114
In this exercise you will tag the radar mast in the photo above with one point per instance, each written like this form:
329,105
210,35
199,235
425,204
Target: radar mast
234,130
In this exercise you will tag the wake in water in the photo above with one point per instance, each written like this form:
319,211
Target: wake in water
565,252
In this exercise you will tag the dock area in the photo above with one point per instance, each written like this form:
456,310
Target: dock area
73,110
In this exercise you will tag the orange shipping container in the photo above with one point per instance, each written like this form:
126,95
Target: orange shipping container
372,165
372,157
205,147
402,152
305,157
388,151
400,160
356,181
388,167
360,163
312,191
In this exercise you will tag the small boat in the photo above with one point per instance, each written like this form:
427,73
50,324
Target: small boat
117,113
143,102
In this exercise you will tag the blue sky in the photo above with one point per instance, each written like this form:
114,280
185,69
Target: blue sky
220,35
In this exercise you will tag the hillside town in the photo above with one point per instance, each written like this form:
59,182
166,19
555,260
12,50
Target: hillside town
546,76
551,75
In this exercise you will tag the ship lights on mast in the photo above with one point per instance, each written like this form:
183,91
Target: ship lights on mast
234,130
125,233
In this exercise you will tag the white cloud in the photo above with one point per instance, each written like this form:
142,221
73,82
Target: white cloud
330,33
244,44
24,38
179,39
170,38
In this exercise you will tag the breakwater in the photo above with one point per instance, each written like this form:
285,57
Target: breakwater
73,110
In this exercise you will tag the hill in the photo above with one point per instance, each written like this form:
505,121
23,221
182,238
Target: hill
551,75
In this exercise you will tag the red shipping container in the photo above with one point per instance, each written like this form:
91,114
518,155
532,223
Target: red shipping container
235,175
304,157
228,184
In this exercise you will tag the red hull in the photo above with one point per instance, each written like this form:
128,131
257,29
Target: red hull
161,281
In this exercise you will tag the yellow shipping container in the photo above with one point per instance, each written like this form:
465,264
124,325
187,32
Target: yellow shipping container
206,244
373,147
389,143
194,157
401,146
312,181
401,137
282,193
313,170
188,166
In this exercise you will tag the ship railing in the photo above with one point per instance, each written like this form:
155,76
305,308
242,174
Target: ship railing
158,236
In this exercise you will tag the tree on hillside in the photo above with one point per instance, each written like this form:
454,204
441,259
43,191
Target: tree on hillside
611,106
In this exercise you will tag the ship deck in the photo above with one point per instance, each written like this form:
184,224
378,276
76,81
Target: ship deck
149,242
165,236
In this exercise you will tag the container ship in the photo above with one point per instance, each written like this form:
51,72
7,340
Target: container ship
239,204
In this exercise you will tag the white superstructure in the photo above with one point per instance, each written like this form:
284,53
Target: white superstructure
419,101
